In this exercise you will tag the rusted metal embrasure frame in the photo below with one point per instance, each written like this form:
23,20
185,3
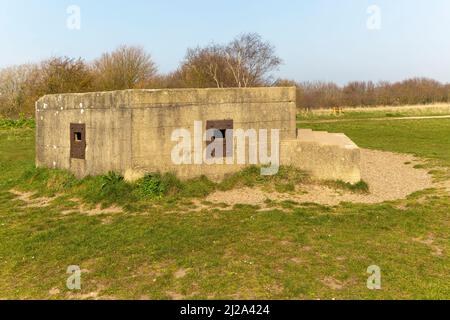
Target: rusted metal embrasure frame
77,141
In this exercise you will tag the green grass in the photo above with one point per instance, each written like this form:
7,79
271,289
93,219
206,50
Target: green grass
160,248
352,114
424,138
360,187
22,122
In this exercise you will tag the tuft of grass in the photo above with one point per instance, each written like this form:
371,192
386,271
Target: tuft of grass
46,181
155,186
151,186
107,190
360,187
284,181
111,179
394,115
197,188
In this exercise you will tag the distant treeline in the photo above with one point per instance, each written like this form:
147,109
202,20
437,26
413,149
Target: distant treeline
247,61
315,95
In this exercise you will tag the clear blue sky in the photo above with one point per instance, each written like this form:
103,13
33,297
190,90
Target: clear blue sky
317,39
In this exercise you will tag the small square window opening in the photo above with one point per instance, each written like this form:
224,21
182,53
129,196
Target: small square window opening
221,127
78,136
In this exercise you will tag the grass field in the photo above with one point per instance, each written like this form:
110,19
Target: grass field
376,112
427,138
162,247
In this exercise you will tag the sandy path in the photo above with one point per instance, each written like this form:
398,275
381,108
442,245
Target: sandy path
376,119
390,176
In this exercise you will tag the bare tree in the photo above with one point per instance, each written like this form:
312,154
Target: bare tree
206,67
124,68
318,95
251,60
244,62
15,85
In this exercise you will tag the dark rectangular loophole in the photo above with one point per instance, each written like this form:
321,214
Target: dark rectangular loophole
77,136
221,127
77,141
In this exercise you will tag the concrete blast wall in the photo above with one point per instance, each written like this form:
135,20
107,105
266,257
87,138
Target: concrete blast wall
130,132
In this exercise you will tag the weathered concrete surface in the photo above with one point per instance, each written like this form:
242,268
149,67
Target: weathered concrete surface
327,156
130,131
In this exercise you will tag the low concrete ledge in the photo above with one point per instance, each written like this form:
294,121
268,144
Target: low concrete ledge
326,156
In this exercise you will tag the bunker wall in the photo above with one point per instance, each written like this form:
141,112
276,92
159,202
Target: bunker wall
130,131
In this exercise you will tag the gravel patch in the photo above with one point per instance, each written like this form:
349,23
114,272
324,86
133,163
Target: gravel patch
390,176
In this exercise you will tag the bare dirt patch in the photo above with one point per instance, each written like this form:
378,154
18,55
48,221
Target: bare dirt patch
248,196
333,283
99,211
390,176
297,260
181,273
175,296
31,201
54,291
97,294
92,212
429,242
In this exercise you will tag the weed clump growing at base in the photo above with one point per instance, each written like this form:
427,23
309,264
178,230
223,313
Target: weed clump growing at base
155,186
107,189
360,187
